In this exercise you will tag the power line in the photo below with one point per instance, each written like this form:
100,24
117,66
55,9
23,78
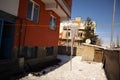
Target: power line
115,24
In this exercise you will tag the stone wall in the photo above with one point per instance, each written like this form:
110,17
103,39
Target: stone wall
88,52
111,61
98,55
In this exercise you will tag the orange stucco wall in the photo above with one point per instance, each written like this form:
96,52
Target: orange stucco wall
35,34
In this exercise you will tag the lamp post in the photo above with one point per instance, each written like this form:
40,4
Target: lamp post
67,26
112,29
73,31
73,28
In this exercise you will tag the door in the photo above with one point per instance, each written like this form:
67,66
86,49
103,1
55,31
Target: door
7,35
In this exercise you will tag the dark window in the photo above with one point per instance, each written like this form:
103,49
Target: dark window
80,34
52,23
36,11
30,52
68,34
29,11
6,30
33,11
49,51
64,28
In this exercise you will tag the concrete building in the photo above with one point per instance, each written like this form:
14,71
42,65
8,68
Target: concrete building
79,36
65,32
29,31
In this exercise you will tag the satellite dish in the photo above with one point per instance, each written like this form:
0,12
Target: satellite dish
88,41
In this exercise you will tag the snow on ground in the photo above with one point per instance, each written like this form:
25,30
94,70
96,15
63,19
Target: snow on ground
81,70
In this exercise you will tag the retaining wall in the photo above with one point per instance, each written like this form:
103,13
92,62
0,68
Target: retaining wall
111,61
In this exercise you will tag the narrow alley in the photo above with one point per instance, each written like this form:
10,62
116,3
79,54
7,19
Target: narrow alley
81,70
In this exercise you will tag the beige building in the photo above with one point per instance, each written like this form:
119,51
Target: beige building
80,35
79,38
65,32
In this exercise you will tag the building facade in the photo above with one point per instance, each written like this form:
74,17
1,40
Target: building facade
81,35
65,33
29,29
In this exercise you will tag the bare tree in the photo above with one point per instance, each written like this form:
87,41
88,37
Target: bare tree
99,42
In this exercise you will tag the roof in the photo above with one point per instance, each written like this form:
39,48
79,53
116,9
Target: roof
102,47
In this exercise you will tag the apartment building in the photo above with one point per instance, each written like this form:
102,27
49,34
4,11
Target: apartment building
29,30
65,33
83,33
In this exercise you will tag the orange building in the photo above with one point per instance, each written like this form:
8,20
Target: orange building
29,29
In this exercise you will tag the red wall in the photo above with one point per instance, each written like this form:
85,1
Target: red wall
35,34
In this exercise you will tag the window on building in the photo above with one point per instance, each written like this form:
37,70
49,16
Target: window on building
64,28
33,11
52,22
68,34
30,52
80,34
49,51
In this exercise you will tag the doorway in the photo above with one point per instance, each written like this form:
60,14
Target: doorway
6,39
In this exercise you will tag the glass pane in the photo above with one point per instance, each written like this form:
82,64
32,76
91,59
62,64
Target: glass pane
52,23
30,52
36,13
50,20
67,34
29,11
49,51
7,30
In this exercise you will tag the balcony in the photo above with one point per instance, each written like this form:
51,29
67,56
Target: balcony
60,7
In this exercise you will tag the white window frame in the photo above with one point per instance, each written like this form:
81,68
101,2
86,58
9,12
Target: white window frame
32,13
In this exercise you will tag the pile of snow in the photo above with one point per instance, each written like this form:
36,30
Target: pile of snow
81,70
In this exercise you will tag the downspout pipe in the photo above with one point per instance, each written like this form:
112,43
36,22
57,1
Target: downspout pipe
19,36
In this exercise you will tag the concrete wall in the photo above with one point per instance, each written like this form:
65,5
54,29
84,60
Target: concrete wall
88,52
111,61
41,57
62,50
98,55
17,64
7,69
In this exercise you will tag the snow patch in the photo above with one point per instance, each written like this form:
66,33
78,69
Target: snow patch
81,70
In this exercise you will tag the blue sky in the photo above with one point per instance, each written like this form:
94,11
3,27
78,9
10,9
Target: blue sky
99,11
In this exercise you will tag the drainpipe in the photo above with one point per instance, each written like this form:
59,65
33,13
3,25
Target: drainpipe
25,34
20,33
